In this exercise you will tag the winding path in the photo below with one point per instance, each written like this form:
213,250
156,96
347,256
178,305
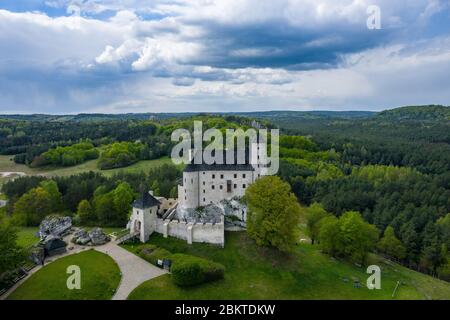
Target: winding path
134,269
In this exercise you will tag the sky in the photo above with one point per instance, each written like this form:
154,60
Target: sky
121,56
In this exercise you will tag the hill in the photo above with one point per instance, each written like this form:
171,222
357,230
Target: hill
99,117
417,113
254,272
429,113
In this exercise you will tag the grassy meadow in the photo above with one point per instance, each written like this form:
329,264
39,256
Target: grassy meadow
8,165
253,272
100,277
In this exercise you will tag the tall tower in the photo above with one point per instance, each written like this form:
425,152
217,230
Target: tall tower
259,159
143,218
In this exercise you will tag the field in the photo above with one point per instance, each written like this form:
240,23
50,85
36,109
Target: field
7,165
257,273
100,277
26,236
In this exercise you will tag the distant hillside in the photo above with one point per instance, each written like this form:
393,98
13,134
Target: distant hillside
83,117
419,113
280,115
308,115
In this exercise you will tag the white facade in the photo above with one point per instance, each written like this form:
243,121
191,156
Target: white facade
201,188
143,221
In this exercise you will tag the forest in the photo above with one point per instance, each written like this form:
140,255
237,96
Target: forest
387,172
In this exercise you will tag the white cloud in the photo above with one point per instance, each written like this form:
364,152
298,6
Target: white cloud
221,54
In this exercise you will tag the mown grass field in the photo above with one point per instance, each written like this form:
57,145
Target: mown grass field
253,272
100,277
7,165
26,236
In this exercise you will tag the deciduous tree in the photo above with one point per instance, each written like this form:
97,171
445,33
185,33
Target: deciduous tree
391,245
273,213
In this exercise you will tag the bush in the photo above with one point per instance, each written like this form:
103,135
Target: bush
189,270
152,253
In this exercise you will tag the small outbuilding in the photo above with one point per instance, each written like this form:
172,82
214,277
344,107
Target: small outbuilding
54,246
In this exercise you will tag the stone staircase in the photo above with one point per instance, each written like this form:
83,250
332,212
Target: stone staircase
126,237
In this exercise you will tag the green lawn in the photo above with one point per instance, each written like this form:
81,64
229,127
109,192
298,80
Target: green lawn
257,273
7,165
100,276
26,236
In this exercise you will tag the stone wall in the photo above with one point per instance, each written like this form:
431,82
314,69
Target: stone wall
192,232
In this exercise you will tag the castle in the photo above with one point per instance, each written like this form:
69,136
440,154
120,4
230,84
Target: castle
210,186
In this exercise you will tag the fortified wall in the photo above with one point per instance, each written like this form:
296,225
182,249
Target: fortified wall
192,232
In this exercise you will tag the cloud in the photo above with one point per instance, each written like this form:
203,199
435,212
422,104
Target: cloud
71,55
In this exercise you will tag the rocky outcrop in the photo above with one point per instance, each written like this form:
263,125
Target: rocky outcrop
234,210
81,236
95,237
54,225
98,237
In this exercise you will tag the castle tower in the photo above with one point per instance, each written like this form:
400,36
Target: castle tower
189,192
143,218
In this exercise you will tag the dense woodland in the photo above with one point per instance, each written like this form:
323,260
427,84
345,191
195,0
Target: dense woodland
387,174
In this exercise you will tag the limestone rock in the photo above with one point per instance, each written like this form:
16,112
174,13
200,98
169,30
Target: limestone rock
54,225
98,237
81,236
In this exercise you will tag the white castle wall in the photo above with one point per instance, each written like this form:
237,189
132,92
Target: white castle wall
201,188
192,232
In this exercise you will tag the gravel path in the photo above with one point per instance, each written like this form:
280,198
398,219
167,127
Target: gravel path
134,269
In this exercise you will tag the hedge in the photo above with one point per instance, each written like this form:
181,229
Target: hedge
190,270
152,253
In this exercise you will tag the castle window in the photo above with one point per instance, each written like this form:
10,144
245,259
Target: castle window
243,175
235,186
212,187
221,187
235,175
185,198
213,176
192,180
203,190
204,199
203,182
228,185
203,172
243,186
221,176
